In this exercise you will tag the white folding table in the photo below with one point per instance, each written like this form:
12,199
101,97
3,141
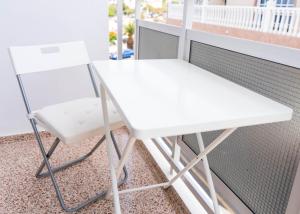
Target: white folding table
171,97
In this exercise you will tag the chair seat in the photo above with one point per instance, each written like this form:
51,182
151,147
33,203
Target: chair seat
76,120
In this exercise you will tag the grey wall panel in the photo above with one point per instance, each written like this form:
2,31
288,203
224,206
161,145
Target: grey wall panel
257,163
157,45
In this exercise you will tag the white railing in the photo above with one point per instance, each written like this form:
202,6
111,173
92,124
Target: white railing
283,21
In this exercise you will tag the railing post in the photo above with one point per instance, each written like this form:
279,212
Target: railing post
120,28
187,22
267,15
203,12
137,33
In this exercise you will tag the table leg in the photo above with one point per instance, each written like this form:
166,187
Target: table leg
109,146
208,175
175,153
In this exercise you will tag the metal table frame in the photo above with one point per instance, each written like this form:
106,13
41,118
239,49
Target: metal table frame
145,79
116,173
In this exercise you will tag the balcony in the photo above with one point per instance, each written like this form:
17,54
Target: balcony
254,170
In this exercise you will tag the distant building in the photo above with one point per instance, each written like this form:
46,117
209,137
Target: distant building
154,3
131,3
262,3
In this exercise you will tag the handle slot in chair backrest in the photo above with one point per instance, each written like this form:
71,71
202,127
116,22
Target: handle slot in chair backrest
29,59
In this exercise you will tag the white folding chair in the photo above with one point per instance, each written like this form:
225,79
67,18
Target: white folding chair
70,122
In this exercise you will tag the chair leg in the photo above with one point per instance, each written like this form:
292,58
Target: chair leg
38,174
46,156
68,164
82,158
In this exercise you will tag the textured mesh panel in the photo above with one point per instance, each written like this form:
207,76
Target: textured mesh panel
257,163
157,45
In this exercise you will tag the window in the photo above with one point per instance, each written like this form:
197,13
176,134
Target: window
279,3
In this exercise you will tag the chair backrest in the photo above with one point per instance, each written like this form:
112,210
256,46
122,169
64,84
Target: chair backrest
38,58
29,59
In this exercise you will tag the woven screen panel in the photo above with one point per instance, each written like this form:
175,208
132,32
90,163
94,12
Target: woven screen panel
157,45
257,163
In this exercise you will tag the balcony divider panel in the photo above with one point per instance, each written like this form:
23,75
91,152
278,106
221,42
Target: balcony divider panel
157,45
257,163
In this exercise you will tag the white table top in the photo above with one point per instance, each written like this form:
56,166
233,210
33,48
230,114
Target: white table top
158,98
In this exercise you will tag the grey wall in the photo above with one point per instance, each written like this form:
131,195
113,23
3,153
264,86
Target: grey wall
257,163
49,21
157,45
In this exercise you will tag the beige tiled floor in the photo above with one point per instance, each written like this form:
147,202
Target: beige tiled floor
21,192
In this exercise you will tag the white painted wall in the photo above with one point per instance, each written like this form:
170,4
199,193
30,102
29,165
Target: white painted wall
48,21
241,2
216,2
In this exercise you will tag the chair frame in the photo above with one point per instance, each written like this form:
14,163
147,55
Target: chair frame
46,156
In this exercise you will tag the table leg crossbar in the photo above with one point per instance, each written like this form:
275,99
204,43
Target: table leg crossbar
143,188
203,154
